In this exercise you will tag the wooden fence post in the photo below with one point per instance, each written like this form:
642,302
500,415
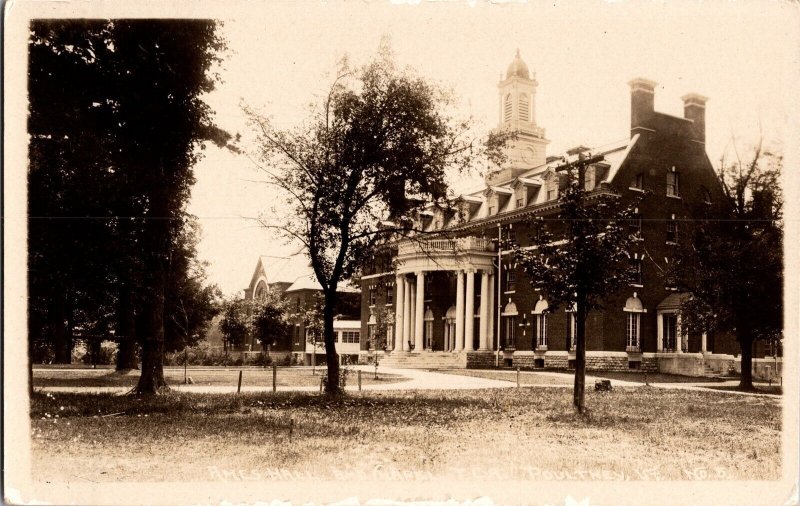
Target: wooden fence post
359,380
274,378
239,388
517,377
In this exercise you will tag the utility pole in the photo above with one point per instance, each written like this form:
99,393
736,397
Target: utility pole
499,293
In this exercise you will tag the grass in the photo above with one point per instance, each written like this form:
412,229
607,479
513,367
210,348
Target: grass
635,433
652,377
757,389
286,376
525,377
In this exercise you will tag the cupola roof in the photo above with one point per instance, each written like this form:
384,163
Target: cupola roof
518,68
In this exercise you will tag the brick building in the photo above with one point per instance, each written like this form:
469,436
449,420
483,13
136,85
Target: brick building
292,277
450,304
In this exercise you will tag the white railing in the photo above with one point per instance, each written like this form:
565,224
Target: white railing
444,245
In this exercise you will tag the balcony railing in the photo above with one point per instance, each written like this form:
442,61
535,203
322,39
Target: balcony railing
457,245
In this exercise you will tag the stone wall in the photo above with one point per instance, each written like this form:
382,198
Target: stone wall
764,369
686,364
649,364
553,361
606,363
481,360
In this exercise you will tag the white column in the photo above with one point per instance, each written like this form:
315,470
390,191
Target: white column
398,313
703,342
484,328
406,313
469,323
491,317
678,335
459,345
659,333
412,311
419,318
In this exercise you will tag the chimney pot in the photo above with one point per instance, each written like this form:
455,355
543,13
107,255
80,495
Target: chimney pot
642,101
694,108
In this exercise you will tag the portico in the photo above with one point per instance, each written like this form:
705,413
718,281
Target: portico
423,281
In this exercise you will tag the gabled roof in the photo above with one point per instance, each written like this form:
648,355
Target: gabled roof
309,282
293,270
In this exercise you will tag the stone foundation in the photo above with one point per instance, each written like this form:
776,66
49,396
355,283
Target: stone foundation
553,361
649,364
482,360
686,364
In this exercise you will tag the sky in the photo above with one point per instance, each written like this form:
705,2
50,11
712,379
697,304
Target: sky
281,56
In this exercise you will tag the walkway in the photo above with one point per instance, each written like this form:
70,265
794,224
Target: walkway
420,379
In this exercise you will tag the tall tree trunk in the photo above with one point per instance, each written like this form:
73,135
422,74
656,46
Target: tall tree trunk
126,353
578,396
151,380
62,347
746,379
331,357
94,348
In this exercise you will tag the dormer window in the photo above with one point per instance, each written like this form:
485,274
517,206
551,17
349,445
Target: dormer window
552,193
520,203
673,186
492,210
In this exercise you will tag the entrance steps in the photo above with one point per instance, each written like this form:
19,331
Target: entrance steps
425,360
709,372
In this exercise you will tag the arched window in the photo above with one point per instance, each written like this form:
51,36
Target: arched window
633,308
507,107
261,290
524,107
509,314
450,329
540,323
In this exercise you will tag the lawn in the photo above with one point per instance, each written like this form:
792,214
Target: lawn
525,377
651,377
286,376
491,435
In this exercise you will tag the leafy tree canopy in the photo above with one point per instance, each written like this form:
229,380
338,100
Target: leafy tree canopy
734,267
373,153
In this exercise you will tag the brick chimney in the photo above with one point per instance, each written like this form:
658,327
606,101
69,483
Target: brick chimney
642,101
694,108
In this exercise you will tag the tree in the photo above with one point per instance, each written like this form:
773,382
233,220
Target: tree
270,321
234,324
734,268
190,301
67,180
583,262
116,123
373,153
